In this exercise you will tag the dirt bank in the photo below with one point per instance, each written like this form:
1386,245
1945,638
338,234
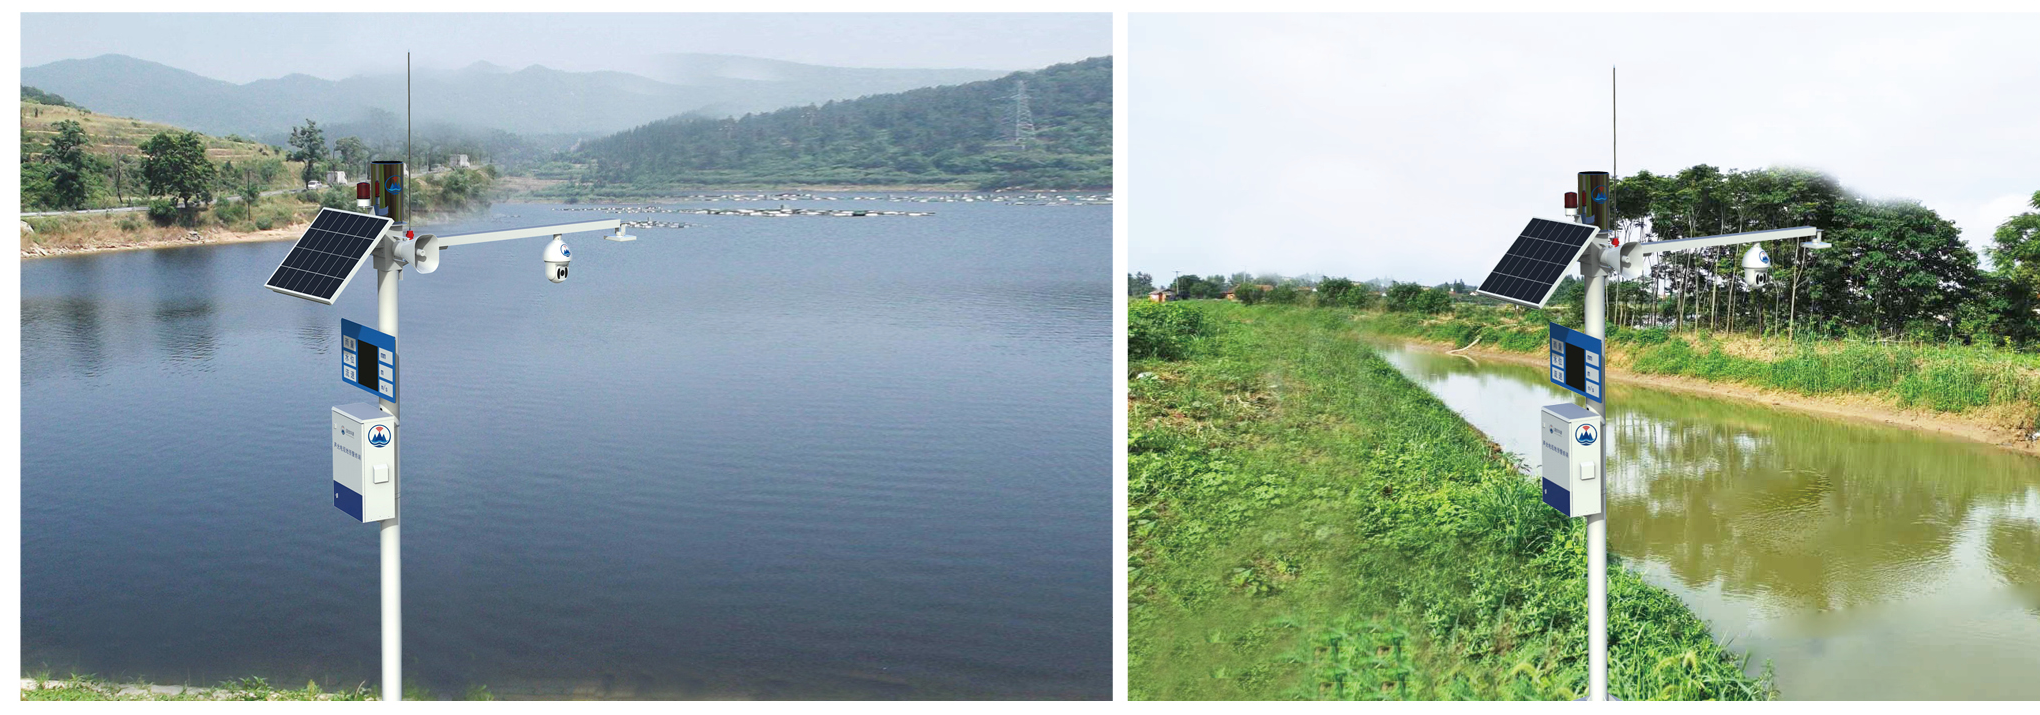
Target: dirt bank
1995,426
159,238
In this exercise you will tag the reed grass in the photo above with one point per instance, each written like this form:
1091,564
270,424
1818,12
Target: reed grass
1951,378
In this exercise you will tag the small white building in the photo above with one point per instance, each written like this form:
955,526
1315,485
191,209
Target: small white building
460,161
336,178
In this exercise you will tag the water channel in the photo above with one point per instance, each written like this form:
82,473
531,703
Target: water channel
1862,561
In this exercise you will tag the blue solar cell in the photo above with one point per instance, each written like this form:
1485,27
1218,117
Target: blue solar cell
1539,257
328,255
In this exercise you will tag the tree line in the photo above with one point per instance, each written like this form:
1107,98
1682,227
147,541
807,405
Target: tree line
1896,269
1316,291
175,173
932,135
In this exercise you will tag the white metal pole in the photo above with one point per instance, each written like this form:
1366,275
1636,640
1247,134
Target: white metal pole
1597,524
386,278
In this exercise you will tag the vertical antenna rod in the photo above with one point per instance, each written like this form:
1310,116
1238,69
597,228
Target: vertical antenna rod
407,138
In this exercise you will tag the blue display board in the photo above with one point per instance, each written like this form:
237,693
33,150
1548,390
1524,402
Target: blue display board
368,359
1576,362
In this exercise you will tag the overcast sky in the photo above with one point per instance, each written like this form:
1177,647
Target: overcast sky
335,46
1415,146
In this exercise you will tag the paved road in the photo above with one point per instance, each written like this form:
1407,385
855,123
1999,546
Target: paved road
125,209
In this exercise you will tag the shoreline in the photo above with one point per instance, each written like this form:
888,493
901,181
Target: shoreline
285,233
1858,408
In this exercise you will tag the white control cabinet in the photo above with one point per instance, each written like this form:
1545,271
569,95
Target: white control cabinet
365,461
1573,440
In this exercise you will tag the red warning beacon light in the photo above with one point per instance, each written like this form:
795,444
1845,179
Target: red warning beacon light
1572,199
364,192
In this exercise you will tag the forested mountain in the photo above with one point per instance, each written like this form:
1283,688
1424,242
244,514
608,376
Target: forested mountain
534,100
964,134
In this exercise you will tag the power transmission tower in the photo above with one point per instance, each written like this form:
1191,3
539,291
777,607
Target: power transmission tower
1023,117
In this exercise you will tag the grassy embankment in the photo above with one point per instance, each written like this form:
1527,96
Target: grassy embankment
85,687
1996,386
1304,522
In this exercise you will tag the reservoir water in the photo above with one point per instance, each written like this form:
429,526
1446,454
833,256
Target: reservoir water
1864,562
798,457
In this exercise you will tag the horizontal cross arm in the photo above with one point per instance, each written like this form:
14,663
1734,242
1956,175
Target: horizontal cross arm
532,232
1731,239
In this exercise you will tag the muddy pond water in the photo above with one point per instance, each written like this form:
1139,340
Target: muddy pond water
1861,561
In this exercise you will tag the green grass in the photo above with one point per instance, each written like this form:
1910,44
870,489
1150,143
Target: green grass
1306,523
88,687
92,687
1950,378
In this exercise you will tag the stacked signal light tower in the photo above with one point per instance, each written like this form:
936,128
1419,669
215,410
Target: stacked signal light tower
1573,439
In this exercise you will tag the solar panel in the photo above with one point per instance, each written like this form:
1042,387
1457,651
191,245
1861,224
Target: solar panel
1530,271
322,262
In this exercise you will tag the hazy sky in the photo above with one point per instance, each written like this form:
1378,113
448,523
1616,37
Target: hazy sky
1415,146
335,46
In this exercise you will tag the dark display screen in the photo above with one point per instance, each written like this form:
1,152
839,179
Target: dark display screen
1576,367
366,372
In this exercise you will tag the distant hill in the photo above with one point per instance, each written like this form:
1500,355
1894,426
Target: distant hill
533,100
941,135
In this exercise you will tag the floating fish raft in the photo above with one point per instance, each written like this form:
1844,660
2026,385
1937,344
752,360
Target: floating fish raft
1013,199
781,211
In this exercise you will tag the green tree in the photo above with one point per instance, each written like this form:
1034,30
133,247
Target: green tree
1138,284
1435,300
1189,285
2015,257
174,164
1335,291
453,192
1896,267
308,144
69,173
353,153
1404,297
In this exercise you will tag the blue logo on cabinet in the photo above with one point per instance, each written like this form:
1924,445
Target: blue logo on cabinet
379,436
1584,435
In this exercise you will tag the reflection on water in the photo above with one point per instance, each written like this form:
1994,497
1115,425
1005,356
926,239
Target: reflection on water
838,458
1864,561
